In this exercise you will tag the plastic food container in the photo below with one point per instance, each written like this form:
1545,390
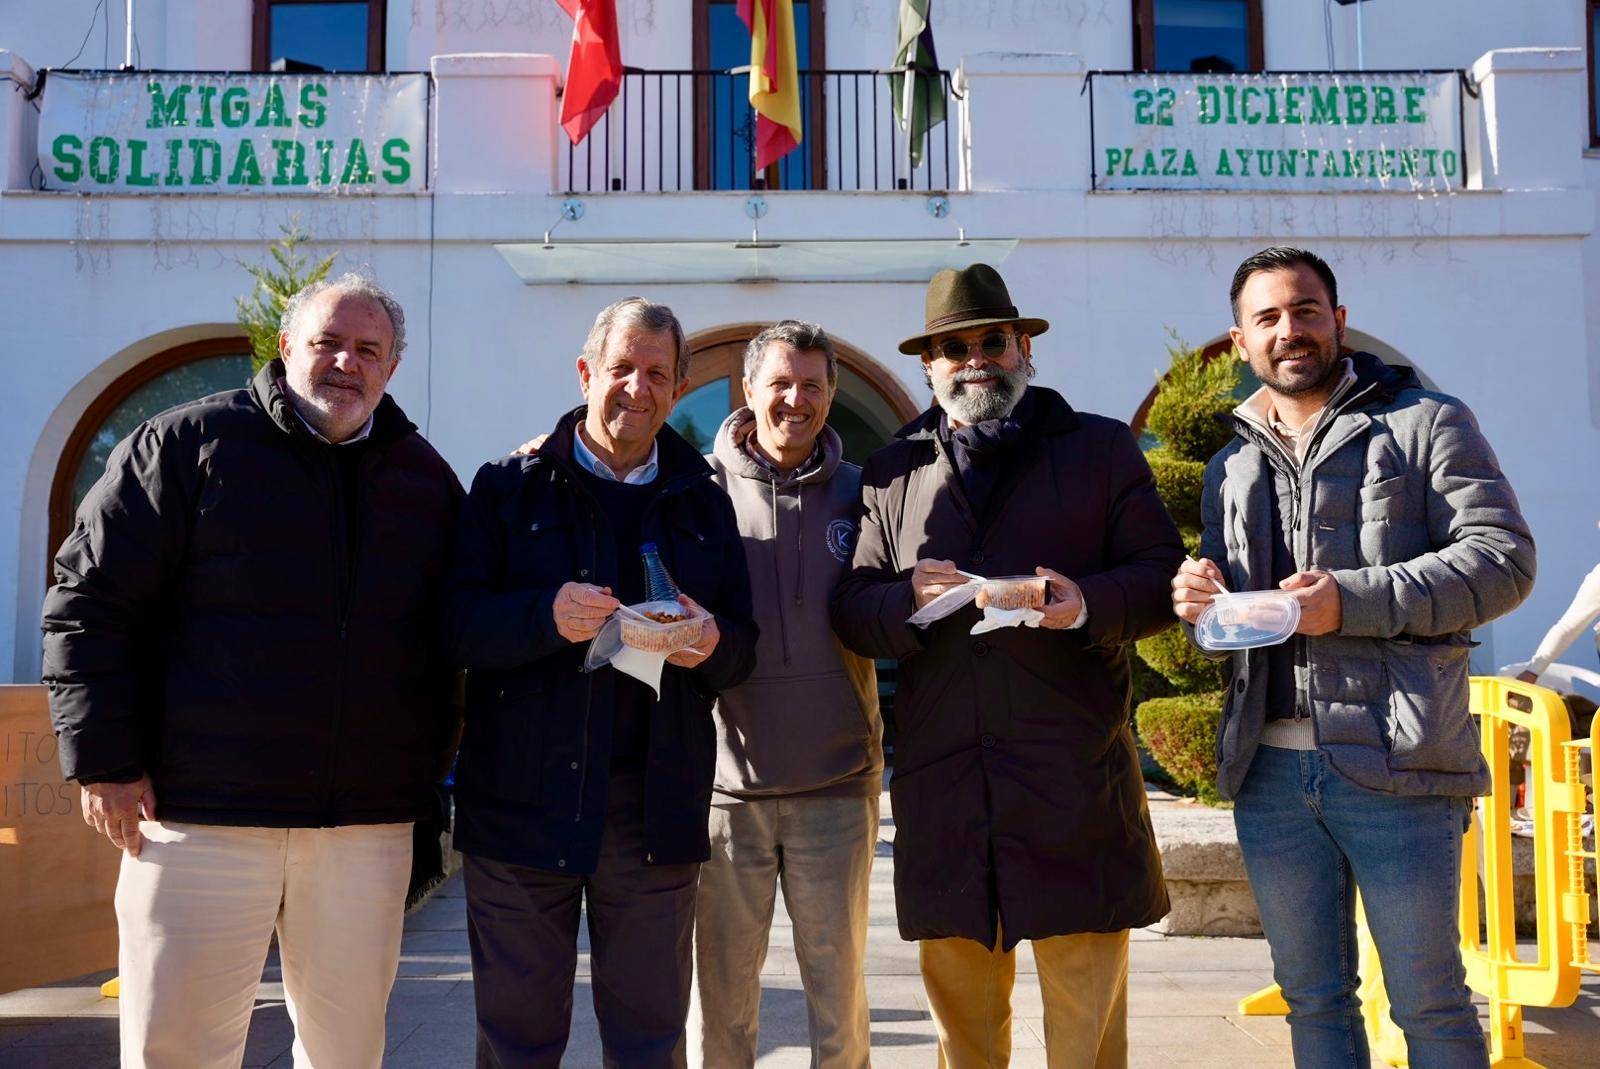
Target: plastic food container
660,627
1247,620
1016,591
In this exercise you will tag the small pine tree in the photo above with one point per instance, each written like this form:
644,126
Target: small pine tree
1187,419
261,314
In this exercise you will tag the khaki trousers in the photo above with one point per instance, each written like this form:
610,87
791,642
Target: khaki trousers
195,915
821,850
1084,981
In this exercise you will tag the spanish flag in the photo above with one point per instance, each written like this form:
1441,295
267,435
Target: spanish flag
774,77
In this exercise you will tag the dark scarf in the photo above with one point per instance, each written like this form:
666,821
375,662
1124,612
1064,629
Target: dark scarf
980,451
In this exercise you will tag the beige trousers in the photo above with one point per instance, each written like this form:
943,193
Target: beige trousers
821,850
1084,982
195,915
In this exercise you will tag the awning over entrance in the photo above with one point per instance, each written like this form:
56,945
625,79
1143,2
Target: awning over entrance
613,262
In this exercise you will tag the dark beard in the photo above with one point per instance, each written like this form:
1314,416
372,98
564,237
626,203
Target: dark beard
1330,373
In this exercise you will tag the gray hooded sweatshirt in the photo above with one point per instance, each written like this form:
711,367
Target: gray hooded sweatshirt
806,721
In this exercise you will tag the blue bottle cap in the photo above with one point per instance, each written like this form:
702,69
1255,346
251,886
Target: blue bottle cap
648,547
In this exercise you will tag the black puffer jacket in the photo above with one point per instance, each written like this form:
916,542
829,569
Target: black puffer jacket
210,624
535,760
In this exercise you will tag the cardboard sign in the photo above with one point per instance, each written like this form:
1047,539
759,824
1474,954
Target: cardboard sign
57,875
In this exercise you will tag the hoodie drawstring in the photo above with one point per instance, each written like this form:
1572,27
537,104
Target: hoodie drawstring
800,544
777,571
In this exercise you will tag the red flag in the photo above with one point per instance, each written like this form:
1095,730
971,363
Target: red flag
774,77
594,69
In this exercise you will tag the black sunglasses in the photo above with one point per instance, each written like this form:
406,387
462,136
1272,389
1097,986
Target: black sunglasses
993,346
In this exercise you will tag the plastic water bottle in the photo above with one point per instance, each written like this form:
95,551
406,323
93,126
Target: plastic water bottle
658,583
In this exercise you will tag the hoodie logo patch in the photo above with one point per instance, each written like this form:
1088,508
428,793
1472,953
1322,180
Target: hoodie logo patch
841,540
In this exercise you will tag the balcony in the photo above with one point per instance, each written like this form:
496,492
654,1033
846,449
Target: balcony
683,130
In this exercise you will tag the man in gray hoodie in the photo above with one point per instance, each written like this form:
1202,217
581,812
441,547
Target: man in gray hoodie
799,744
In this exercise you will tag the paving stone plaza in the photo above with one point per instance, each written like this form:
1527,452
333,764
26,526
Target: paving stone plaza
1182,999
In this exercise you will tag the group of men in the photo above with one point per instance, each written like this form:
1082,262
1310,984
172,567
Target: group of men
255,623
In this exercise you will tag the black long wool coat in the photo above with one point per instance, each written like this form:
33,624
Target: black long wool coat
1017,795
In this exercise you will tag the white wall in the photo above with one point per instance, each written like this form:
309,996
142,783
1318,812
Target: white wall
215,34
171,34
1414,34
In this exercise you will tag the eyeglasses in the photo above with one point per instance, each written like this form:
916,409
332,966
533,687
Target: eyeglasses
993,346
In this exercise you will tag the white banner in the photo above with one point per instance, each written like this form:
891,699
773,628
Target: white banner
1284,132
160,132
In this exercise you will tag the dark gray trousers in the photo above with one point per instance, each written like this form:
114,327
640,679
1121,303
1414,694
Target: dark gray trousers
523,927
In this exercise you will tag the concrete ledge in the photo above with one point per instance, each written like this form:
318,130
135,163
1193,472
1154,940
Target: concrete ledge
495,65
1522,60
1022,63
1204,870
16,69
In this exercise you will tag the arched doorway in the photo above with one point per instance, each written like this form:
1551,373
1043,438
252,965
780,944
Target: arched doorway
870,406
167,379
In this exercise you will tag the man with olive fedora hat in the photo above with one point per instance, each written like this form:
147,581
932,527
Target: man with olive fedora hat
1018,802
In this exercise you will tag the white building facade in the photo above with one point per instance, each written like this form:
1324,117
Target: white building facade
1473,259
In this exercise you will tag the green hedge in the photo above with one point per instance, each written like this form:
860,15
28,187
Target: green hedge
1176,658
1179,483
1187,414
1181,732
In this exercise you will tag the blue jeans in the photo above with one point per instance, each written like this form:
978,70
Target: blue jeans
1310,838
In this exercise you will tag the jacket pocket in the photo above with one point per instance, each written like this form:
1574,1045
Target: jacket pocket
1430,726
1378,499
782,735
501,751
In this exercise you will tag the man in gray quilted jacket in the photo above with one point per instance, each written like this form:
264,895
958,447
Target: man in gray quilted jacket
1349,750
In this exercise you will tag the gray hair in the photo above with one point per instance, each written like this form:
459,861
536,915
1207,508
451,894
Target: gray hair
641,314
797,333
358,285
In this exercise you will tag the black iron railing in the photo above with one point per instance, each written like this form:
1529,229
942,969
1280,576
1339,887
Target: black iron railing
679,130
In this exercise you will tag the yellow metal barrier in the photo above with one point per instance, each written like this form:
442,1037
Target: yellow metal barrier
1558,801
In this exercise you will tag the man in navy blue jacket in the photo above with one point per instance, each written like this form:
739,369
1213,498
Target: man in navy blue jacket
579,786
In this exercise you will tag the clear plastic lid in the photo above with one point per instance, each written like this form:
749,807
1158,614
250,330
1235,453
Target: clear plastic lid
1247,620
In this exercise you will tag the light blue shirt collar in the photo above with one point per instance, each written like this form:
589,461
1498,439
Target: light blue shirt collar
644,473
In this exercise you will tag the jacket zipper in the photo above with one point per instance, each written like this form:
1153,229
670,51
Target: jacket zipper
1301,545
345,558
588,698
594,563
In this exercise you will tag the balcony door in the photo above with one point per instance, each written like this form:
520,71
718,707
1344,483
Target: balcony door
725,124
1199,36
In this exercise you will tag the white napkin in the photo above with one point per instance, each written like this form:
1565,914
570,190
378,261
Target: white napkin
995,618
957,598
645,667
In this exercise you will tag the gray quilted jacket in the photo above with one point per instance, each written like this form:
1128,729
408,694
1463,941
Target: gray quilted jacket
1402,501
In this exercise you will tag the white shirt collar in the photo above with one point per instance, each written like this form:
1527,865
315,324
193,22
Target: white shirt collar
365,431
644,473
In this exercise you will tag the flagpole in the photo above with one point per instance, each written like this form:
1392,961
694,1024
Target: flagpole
906,105
127,52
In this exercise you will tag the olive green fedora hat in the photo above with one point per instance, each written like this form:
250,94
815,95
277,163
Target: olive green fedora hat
974,296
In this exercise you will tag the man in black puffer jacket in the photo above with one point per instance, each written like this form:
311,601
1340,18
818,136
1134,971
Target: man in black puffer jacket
240,649
583,787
